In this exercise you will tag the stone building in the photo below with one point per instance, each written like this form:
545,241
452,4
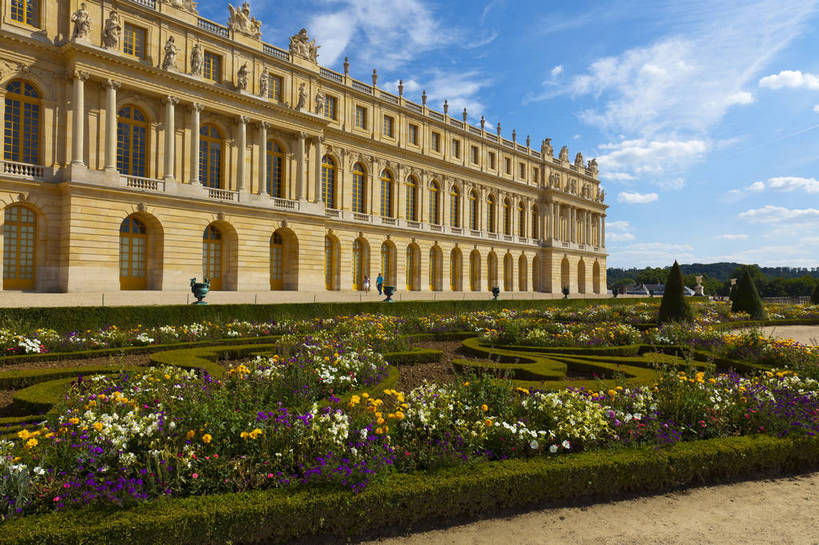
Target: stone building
145,145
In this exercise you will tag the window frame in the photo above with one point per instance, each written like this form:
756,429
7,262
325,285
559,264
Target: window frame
36,13
212,74
331,112
435,141
136,31
412,134
388,127
361,117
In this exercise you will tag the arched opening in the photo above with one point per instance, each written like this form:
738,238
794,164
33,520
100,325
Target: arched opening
328,182
413,267
359,189
491,224
387,194
275,169
436,269
455,207
456,270
211,146
388,263
564,274
537,283
133,255
596,277
507,217
132,141
508,272
434,203
491,270
581,276
412,198
332,261
213,257
475,271
522,274
23,119
284,262
19,247
361,262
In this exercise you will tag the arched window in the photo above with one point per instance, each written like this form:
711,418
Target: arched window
455,270
212,256
328,181
26,11
413,268
490,214
434,203
412,199
507,217
435,269
388,263
330,262
475,271
19,240
386,194
133,255
491,270
22,123
132,141
535,230
454,207
360,259
275,169
359,189
210,157
474,219
521,220
276,262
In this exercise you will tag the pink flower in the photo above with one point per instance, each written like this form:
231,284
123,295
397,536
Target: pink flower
269,475
195,475
56,498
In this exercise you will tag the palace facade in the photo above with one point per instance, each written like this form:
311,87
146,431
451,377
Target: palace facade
145,145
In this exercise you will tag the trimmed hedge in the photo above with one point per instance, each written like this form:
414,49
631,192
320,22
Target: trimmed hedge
411,357
408,501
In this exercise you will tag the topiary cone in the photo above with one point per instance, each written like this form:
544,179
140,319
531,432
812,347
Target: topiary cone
674,307
746,298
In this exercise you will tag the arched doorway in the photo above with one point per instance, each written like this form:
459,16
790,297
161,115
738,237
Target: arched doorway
537,283
413,267
508,274
212,257
491,270
596,277
361,262
581,276
133,254
456,270
331,263
564,274
436,267
475,271
522,274
19,245
388,263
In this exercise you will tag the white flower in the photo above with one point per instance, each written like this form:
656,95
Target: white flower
553,449
534,444
566,444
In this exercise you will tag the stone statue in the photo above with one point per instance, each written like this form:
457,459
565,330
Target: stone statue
264,81
320,98
556,181
82,23
302,97
302,46
564,154
197,58
546,149
169,60
185,5
241,21
602,196
593,167
578,160
112,31
573,189
241,78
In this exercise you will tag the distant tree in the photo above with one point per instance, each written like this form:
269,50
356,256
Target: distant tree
622,284
674,307
815,297
746,298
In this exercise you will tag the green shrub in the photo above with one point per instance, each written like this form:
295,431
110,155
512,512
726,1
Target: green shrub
746,298
674,307
815,297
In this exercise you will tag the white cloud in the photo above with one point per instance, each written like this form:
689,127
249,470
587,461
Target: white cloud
676,183
459,89
620,225
793,79
619,176
643,254
619,237
482,41
756,186
557,70
653,161
816,108
781,183
637,198
777,214
729,236
743,97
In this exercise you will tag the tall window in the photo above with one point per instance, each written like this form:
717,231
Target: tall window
132,141
389,126
359,257
413,134
475,271
210,156
490,214
361,117
474,219
26,11
507,165
434,203
435,268
386,194
274,89
474,155
133,254
133,40
413,267
456,148
212,67
455,272
507,217
328,181
492,160
522,169
22,123
330,259
435,141
455,207
535,230
19,235
330,107
521,220
275,169
212,256
358,189
535,174
276,262
412,199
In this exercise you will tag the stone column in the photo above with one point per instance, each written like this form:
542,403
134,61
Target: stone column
195,109
262,177
111,125
300,161
556,222
573,235
241,182
78,121
170,137
603,230
319,156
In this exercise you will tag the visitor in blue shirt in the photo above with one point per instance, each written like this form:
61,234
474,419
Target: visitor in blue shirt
379,283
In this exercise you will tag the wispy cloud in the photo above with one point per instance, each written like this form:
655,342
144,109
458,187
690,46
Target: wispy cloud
792,79
777,214
557,70
643,254
636,198
461,90
732,236
782,183
619,231
654,161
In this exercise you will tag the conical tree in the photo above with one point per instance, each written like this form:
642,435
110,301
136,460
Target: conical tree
674,307
746,298
815,297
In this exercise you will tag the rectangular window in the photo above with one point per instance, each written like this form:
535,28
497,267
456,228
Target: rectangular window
474,155
213,66
492,160
535,174
413,134
274,90
522,168
133,41
330,107
389,126
507,165
456,148
26,11
361,117
435,141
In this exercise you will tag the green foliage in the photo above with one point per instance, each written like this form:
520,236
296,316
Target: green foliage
815,297
674,307
746,298
403,501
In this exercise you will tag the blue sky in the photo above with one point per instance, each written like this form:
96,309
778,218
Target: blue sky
704,116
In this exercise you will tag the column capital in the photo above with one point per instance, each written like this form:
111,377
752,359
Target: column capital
170,100
111,84
302,135
263,125
243,119
80,75
196,107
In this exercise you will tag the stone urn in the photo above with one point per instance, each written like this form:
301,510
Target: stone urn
565,293
495,293
200,289
388,291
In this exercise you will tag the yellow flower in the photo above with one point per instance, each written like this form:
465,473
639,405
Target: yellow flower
31,443
399,415
487,423
612,393
206,438
379,430
255,433
190,435
244,435
92,403
23,434
98,426
380,421
365,395
484,407
74,420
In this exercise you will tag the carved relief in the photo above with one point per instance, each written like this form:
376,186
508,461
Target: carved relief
302,46
241,21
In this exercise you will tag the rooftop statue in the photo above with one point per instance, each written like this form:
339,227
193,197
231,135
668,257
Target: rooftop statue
578,160
593,167
564,154
241,21
185,5
302,46
546,149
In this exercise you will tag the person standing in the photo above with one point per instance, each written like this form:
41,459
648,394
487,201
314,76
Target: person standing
366,283
379,283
